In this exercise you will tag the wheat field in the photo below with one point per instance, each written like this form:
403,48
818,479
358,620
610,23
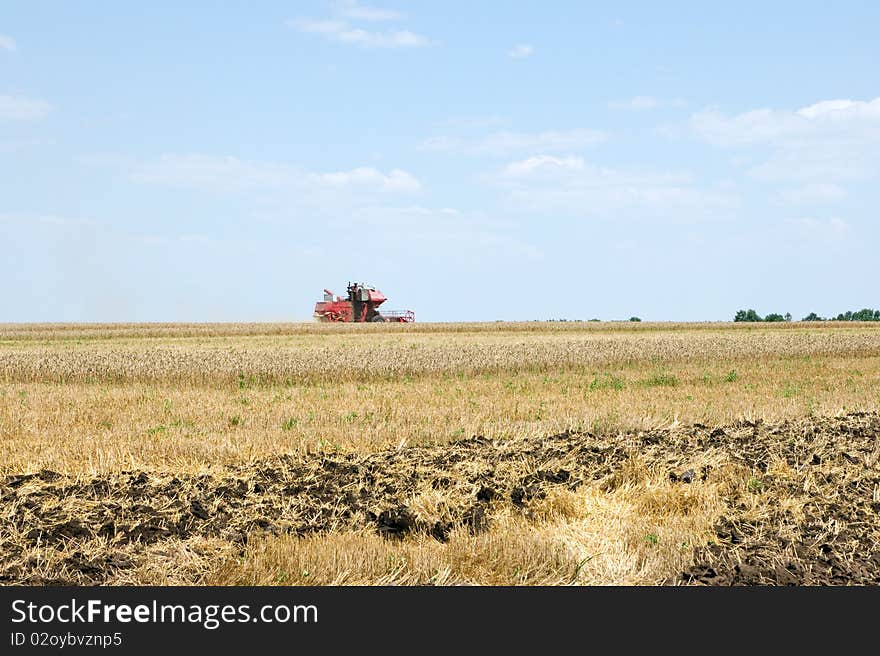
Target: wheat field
96,421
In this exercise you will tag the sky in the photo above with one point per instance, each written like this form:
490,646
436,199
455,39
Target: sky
204,161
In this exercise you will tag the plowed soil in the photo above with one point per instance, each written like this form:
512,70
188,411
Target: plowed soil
808,512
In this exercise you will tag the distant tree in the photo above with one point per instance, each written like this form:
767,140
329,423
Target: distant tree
866,314
747,315
634,319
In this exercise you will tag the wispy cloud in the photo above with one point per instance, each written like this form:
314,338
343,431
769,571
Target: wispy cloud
763,126
221,174
521,51
355,11
344,32
47,220
810,195
571,186
7,42
575,171
22,108
639,102
824,143
396,180
540,164
343,28
209,172
501,143
642,103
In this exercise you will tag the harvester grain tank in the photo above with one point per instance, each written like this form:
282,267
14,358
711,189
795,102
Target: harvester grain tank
361,306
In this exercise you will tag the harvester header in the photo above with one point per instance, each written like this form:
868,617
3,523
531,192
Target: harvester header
360,306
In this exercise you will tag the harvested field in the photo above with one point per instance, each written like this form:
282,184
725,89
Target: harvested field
520,454
793,503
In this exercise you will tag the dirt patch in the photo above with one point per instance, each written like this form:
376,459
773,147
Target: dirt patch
809,513
806,509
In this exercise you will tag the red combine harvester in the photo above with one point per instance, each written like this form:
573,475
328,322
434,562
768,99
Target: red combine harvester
360,307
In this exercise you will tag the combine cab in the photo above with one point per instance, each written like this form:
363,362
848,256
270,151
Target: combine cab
361,306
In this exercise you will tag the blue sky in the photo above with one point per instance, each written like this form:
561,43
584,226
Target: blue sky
201,161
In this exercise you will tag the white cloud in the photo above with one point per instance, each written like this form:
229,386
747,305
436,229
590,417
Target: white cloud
501,143
571,186
828,142
810,194
7,42
574,172
220,174
768,126
637,103
396,180
345,32
754,127
839,108
22,108
541,164
521,51
351,9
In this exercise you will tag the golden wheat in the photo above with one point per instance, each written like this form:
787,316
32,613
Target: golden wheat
384,355
196,402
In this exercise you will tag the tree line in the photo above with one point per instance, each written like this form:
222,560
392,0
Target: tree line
866,314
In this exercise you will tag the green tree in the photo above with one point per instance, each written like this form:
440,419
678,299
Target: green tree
812,316
634,319
774,317
866,314
747,315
